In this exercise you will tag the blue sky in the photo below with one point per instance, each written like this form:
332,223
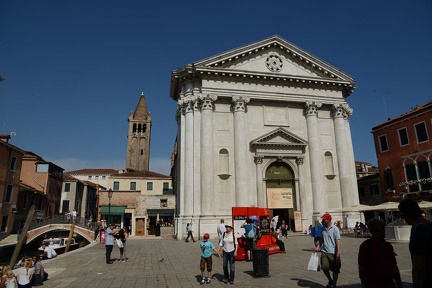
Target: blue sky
74,70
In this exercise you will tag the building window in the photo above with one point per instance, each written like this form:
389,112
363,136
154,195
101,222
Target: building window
8,193
149,186
42,168
132,186
388,178
65,206
361,191
423,169
165,185
164,203
39,204
67,187
90,177
411,174
116,186
374,190
383,143
13,164
96,177
103,177
403,137
421,132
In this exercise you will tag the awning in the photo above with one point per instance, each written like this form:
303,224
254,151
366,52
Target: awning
161,212
114,210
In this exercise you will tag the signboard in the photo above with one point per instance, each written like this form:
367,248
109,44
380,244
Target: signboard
278,198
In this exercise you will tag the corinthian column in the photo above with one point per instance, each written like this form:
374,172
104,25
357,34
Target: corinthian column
188,107
240,151
343,154
206,148
315,152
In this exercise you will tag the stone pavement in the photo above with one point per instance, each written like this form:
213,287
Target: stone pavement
157,262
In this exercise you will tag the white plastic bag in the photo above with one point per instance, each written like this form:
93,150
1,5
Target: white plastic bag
119,243
313,262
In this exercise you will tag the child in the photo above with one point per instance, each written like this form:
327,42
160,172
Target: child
10,281
206,257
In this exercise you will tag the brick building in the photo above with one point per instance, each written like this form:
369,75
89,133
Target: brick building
404,150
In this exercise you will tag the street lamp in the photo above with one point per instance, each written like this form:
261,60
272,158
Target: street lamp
110,193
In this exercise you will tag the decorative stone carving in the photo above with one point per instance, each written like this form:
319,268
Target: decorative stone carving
207,101
274,63
258,159
300,160
341,111
311,108
239,103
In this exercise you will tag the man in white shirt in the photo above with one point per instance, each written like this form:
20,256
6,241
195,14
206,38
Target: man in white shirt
221,229
49,252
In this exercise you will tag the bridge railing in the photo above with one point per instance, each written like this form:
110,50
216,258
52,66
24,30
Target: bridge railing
63,219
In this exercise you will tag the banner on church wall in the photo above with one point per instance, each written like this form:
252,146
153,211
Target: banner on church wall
278,198
298,221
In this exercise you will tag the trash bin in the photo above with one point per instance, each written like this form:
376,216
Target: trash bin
260,261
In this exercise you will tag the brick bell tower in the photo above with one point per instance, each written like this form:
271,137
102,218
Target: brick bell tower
138,147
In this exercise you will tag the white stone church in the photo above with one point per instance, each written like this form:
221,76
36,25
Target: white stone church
263,125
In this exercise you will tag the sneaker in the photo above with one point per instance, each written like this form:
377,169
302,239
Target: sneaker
225,281
208,281
202,281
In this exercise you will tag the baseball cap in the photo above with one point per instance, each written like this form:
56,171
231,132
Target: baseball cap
326,216
206,236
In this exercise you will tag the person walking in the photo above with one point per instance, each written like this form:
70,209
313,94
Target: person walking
420,243
206,258
109,242
221,229
284,229
376,259
229,246
189,231
330,247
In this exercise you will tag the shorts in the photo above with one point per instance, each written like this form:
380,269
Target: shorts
329,262
249,243
209,262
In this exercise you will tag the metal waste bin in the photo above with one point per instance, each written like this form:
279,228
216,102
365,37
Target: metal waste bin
260,261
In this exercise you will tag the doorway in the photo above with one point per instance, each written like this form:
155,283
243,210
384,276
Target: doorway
140,226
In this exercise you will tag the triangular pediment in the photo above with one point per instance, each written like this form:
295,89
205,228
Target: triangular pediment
279,138
273,57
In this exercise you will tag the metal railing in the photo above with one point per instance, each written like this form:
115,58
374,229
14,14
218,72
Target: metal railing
63,219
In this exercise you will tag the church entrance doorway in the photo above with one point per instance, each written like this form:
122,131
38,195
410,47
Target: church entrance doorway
280,188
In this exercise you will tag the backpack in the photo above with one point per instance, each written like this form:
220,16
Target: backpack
252,232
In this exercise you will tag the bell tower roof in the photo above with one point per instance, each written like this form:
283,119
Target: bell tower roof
141,112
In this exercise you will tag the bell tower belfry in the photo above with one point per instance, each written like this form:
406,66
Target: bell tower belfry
138,147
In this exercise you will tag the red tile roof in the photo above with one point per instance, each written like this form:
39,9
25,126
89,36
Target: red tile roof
93,172
143,174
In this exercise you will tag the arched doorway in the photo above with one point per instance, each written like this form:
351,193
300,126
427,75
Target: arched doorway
280,188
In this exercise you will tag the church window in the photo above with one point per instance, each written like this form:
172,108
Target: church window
139,128
134,129
223,162
142,151
329,167
144,128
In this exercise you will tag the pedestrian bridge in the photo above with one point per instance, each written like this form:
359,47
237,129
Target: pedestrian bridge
83,227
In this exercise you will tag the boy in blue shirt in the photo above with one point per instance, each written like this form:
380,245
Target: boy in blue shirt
206,257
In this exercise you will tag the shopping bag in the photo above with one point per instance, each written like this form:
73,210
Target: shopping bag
313,264
119,243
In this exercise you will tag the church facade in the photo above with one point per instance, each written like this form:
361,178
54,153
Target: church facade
263,125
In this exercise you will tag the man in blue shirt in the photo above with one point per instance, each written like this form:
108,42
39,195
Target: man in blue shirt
109,243
330,248
206,257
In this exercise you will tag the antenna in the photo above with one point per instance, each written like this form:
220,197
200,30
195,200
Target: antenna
385,106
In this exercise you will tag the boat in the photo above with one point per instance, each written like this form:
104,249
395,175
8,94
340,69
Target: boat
59,244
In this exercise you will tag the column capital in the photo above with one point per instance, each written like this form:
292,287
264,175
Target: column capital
187,104
207,101
311,108
300,160
239,103
258,159
341,111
